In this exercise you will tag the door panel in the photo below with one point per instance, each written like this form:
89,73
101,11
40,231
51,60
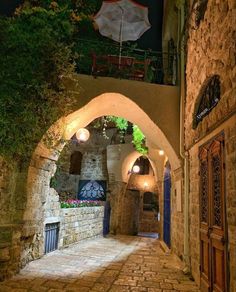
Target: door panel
167,206
204,222
213,235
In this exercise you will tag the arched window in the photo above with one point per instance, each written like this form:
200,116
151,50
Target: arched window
144,165
75,162
208,99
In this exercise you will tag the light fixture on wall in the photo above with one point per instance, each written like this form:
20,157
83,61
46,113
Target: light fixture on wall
161,152
82,135
135,169
145,185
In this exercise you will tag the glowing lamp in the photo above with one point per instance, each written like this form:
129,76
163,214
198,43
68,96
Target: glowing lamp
161,152
82,135
135,169
145,184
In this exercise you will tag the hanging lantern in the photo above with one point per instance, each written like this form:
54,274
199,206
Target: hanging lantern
136,169
82,135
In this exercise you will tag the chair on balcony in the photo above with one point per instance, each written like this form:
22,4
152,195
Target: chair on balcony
100,65
120,67
139,70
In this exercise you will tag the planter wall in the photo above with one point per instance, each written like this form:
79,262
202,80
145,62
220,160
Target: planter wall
80,223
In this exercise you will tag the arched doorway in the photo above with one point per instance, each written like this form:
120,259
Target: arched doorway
167,205
44,158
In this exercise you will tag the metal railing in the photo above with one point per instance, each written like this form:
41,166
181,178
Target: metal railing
162,68
51,237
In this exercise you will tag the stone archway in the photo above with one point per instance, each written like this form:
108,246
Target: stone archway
42,201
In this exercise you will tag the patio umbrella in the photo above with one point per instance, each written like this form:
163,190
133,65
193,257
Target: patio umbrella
122,20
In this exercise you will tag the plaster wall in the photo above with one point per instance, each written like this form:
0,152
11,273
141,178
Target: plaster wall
159,102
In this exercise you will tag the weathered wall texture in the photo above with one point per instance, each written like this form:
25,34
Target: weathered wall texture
12,189
129,223
148,222
80,223
94,165
116,198
211,51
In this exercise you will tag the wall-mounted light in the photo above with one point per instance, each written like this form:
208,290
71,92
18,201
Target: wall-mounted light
135,169
82,135
161,152
145,185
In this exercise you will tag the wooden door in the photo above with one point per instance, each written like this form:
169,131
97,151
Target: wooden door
213,253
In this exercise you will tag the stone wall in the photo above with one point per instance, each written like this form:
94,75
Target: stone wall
94,165
148,222
116,198
129,223
177,217
12,204
80,223
211,51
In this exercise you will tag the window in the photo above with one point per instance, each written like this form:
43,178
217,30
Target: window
143,163
75,162
92,190
208,99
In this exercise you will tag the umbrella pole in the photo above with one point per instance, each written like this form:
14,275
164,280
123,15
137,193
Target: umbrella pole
121,30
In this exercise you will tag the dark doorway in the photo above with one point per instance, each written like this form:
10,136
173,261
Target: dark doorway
167,205
106,219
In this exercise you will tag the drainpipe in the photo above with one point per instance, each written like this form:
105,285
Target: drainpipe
184,154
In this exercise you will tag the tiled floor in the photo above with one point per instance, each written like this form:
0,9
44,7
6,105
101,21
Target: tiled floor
120,263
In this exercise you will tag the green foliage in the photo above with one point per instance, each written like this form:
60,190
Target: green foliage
138,140
121,123
80,203
35,51
138,137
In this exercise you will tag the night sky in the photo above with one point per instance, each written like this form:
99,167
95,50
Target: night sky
7,7
150,39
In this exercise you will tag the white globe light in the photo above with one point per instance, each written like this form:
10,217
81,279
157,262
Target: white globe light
82,135
161,152
136,169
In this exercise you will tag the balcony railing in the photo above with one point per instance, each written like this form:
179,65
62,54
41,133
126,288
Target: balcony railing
103,59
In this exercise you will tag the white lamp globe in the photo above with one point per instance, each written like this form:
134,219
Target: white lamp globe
161,152
136,169
82,135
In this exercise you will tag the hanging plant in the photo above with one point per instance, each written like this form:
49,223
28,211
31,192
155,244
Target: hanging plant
139,140
122,125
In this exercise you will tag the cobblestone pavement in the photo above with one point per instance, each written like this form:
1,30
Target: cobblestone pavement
119,263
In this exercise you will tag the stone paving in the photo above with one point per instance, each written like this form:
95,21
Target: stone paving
119,263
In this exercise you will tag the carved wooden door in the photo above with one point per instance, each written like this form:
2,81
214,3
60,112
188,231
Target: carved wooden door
213,253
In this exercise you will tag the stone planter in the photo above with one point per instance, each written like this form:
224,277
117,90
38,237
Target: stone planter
80,223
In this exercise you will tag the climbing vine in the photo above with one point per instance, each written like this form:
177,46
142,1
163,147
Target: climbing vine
138,138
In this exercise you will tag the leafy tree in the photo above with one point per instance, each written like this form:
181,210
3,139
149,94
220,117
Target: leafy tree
35,52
